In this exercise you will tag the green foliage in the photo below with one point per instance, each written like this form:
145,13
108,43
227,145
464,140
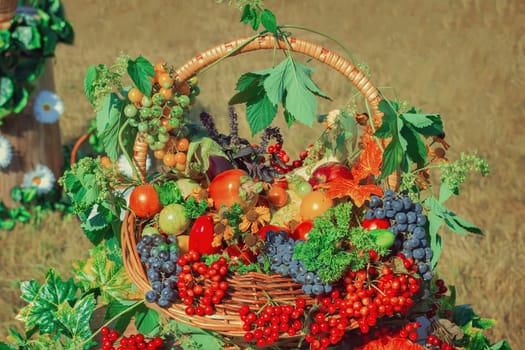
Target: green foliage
333,246
454,173
32,207
289,84
99,271
406,130
193,338
24,48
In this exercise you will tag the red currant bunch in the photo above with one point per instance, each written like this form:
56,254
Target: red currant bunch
437,344
279,159
201,286
264,328
134,341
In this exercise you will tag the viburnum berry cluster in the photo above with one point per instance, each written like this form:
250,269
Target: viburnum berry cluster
265,328
131,342
201,286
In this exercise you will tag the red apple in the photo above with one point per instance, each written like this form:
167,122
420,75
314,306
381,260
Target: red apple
328,172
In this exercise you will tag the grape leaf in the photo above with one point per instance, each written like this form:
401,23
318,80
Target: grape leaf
417,152
98,271
341,187
369,161
43,300
75,319
425,124
392,158
119,307
260,114
140,71
109,121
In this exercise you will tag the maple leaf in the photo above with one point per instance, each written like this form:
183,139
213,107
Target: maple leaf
341,187
391,343
369,161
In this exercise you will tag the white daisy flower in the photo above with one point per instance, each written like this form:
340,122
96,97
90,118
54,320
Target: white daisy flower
42,178
48,107
6,152
125,168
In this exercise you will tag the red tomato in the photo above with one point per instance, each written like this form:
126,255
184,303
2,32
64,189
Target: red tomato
314,204
144,201
266,228
224,188
301,231
277,196
375,224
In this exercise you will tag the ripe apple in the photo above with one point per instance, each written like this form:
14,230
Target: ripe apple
328,172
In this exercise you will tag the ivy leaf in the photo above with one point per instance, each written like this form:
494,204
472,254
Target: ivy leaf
147,321
140,72
6,90
98,271
43,301
108,124
91,77
269,21
76,319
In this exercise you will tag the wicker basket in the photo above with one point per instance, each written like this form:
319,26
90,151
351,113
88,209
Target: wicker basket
252,289
7,12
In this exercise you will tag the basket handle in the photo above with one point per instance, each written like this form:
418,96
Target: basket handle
266,42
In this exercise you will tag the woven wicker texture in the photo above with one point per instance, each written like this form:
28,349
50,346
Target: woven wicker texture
253,289
7,10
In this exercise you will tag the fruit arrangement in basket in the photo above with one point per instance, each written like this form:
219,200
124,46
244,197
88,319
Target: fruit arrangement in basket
259,239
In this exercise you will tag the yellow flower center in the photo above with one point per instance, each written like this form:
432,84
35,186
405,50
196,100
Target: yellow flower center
37,181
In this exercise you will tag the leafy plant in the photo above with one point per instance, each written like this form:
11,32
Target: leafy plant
24,48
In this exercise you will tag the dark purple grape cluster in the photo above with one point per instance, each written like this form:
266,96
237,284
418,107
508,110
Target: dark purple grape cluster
408,222
159,255
279,250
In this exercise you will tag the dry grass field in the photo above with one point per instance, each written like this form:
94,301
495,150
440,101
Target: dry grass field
462,58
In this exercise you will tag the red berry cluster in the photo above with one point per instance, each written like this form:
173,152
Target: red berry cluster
133,342
409,331
279,159
266,327
201,286
438,344
329,323
442,289
391,293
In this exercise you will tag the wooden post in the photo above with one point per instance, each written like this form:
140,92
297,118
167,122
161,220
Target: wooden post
32,142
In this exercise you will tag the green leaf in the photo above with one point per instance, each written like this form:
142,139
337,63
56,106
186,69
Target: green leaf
269,21
417,150
6,90
117,307
425,124
43,301
140,72
200,338
246,15
28,36
288,118
89,89
7,224
76,319
435,221
445,192
21,96
16,194
98,271
392,157
50,40
5,40
260,114
460,225
250,87
501,345
275,83
147,321
109,119
6,346
29,194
